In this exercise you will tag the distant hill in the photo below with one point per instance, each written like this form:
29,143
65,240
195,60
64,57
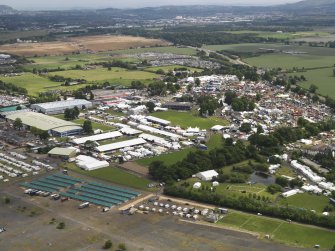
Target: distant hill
7,10
310,6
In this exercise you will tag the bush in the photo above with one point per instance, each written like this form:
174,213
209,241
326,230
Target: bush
274,189
282,181
7,200
108,244
61,225
122,247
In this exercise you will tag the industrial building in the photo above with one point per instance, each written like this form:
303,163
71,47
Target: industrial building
54,126
58,107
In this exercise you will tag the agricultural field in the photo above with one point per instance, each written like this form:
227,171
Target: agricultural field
171,68
33,83
190,119
164,49
312,57
80,44
322,78
173,157
114,175
281,231
101,75
285,35
9,35
306,201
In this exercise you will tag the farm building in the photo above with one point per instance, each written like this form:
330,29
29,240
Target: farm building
60,152
183,106
119,145
56,127
98,137
58,107
207,175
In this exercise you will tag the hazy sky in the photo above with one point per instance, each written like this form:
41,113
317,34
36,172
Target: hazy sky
69,4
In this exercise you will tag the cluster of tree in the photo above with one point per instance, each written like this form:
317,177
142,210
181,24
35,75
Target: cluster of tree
198,161
239,103
71,114
251,205
270,144
325,159
208,105
284,182
11,88
138,85
185,98
43,135
87,127
159,88
120,64
44,97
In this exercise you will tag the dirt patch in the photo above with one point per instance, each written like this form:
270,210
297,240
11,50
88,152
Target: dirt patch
135,168
80,44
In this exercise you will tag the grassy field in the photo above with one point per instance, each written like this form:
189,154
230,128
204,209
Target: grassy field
189,119
171,68
306,201
164,49
284,35
287,61
33,83
8,35
114,175
281,231
168,158
101,74
174,157
322,78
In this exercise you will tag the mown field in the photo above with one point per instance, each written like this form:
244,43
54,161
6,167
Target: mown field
322,78
100,75
171,68
190,119
114,175
281,231
173,157
163,49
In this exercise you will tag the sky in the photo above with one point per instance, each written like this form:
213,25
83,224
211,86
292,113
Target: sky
96,4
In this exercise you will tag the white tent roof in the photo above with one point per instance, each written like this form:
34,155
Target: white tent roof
119,145
103,136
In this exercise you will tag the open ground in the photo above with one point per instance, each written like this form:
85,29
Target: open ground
90,228
79,44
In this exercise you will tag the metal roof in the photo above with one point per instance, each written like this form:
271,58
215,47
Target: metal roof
103,136
43,122
119,145
62,151
63,104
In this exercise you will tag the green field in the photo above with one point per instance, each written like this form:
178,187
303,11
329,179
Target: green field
101,74
165,49
190,119
33,83
306,201
287,61
9,35
283,35
322,78
171,68
281,231
168,158
114,175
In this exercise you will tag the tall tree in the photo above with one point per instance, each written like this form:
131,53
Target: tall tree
18,124
87,127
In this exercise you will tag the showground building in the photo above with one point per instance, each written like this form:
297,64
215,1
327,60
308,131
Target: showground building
54,126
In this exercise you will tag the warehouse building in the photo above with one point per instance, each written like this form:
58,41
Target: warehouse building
54,126
58,107
64,153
